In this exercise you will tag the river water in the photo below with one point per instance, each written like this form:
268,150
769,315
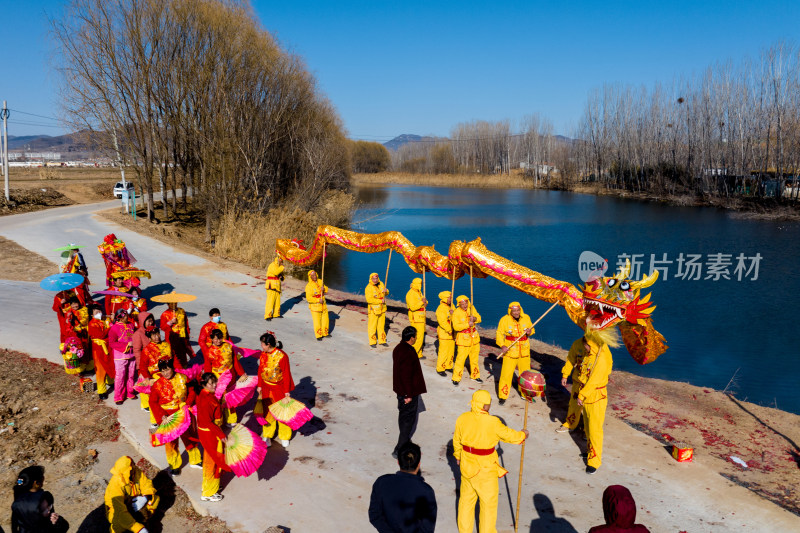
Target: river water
715,328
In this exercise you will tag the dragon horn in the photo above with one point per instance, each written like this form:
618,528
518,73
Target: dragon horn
624,271
645,281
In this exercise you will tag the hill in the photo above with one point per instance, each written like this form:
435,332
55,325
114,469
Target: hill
68,143
405,138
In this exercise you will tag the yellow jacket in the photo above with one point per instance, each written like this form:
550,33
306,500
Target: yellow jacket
274,270
376,303
445,328
415,302
478,429
509,329
466,335
590,370
315,295
127,482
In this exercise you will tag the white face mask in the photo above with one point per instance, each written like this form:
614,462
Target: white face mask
98,316
135,298
216,319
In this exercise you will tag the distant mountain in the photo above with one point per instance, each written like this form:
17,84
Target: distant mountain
69,143
406,138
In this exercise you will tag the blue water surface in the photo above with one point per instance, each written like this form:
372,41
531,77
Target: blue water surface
714,328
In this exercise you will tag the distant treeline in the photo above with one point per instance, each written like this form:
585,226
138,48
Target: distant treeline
195,94
732,130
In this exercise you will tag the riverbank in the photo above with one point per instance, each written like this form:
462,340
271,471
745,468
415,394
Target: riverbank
718,426
762,209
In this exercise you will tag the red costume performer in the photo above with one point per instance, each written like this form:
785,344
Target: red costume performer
115,303
61,307
209,420
177,334
221,359
103,360
166,397
274,382
204,340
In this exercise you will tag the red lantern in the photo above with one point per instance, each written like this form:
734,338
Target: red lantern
531,384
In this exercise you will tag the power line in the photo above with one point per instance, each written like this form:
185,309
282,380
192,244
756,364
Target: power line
17,122
34,115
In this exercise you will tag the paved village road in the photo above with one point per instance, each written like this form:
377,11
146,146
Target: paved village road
322,482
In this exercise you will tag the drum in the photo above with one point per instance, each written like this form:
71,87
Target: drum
531,384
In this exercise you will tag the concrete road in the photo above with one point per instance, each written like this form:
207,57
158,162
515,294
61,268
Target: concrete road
322,481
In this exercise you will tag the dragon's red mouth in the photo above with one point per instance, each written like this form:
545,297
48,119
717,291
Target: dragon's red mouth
602,314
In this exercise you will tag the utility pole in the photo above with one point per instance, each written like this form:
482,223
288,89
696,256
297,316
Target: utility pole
4,114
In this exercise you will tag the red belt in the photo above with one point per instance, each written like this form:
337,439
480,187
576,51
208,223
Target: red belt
478,451
273,277
512,338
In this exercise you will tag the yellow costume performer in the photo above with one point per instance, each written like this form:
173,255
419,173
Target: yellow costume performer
416,303
468,340
573,366
315,295
474,440
272,309
444,331
128,483
375,293
592,378
515,325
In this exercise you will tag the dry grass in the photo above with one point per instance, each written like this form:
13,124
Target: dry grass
250,238
516,180
81,185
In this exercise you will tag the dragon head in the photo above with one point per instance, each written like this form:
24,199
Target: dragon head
611,300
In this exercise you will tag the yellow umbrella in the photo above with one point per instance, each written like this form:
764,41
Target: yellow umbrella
131,273
173,297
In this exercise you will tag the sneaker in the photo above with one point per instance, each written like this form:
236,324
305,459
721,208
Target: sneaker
590,470
103,396
268,320
478,380
213,498
455,383
442,373
120,402
394,454
153,426
196,465
319,339
385,344
146,409
267,441
422,357
562,429
284,443
372,345
175,472
502,401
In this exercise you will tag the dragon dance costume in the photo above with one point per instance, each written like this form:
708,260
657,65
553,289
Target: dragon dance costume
375,293
272,309
468,340
444,331
518,357
315,296
416,312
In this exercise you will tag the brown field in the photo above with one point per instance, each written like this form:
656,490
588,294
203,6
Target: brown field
81,185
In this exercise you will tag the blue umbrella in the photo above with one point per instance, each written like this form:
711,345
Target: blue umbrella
61,282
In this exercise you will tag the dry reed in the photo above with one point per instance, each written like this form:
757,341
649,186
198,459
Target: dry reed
250,237
515,180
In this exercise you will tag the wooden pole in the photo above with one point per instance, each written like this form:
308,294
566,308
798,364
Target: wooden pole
471,293
453,291
537,321
322,277
521,463
386,277
424,291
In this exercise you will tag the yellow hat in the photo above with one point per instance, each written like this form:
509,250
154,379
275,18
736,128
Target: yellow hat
479,399
444,295
416,283
461,298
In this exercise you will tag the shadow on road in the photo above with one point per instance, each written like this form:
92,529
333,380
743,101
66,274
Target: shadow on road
287,305
548,521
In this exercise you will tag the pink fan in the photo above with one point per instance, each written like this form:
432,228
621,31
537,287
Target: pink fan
222,383
193,372
142,387
291,412
172,427
244,451
243,392
244,352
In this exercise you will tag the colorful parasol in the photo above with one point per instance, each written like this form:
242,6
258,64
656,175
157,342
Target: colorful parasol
172,427
173,297
244,391
129,273
110,292
61,282
67,248
291,412
244,451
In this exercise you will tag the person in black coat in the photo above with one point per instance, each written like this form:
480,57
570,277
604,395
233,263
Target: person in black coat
408,384
32,510
403,502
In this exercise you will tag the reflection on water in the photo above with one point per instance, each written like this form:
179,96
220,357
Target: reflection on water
713,328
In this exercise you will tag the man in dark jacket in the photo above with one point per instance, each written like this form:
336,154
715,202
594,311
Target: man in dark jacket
620,512
408,385
403,502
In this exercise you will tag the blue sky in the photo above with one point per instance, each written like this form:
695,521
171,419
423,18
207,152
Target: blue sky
422,67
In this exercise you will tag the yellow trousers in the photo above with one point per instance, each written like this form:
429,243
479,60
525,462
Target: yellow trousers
483,487
376,328
507,373
273,307
210,476
174,455
230,415
595,416
321,323
574,410
268,431
100,377
144,401
445,359
461,359
420,327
